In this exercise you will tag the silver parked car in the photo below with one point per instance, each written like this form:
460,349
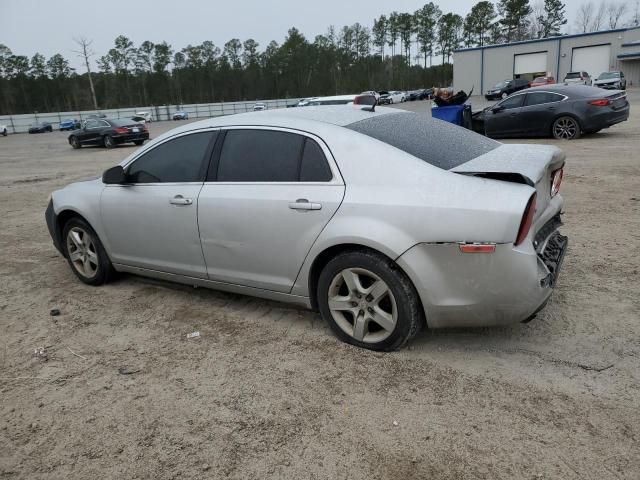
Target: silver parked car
385,221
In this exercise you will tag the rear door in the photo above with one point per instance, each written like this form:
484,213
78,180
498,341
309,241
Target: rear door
539,110
90,134
504,118
268,195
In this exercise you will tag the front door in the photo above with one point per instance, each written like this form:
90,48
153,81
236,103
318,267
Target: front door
264,204
503,119
539,110
151,222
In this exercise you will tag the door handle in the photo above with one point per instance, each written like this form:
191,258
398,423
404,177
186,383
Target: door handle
304,204
180,200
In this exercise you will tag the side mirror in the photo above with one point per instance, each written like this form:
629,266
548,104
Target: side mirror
497,108
114,176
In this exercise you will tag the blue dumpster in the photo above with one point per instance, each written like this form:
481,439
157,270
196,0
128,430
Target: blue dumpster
452,114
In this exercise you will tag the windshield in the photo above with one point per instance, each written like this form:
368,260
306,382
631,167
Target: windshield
501,84
605,75
436,142
573,75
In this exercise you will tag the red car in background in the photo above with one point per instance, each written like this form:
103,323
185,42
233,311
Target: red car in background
540,81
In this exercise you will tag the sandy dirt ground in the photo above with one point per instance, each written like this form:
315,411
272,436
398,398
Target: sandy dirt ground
267,392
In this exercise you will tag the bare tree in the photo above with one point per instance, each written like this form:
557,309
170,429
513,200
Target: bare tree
535,19
616,10
584,17
85,53
599,17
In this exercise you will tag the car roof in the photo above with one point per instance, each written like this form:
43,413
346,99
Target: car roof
570,90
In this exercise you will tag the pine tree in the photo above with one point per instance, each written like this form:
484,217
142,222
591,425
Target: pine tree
553,18
515,19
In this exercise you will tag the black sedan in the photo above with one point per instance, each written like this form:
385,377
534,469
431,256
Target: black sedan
561,111
109,133
40,127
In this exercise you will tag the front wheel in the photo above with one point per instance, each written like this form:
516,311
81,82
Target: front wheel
566,128
4,133
108,141
368,301
138,142
504,95
75,143
85,253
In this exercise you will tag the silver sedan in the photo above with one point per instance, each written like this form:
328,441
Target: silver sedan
385,221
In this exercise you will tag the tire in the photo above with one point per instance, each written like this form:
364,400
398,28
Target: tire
84,252
4,133
353,313
504,95
108,142
138,142
565,128
73,141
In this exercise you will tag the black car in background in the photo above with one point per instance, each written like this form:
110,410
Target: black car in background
109,133
505,88
561,111
40,127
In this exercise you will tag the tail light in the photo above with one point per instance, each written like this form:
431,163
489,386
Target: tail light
477,248
556,180
121,130
600,103
527,220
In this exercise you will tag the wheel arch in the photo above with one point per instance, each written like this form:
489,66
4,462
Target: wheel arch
321,260
61,220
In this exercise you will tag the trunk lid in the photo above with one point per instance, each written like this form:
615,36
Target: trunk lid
529,164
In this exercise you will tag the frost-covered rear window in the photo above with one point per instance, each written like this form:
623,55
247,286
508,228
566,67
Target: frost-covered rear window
439,143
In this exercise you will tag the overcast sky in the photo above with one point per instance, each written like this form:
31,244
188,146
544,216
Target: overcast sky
48,26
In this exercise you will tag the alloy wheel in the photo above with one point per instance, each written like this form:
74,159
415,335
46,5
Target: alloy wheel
565,128
362,305
82,252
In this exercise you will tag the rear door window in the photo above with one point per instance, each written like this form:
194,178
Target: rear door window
539,98
260,156
314,166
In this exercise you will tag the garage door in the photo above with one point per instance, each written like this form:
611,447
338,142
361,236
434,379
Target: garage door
530,63
593,60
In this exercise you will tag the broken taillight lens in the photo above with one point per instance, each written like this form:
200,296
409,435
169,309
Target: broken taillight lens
556,180
527,220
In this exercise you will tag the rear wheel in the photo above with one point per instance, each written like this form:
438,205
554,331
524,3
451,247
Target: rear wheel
504,95
108,141
368,301
75,143
85,253
566,128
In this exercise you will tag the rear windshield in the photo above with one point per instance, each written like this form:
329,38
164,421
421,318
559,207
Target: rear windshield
573,75
438,143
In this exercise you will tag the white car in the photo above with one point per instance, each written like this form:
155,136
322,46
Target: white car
3,130
578,78
333,100
145,115
393,96
258,107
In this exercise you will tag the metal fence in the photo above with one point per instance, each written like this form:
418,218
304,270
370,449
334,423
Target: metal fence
20,123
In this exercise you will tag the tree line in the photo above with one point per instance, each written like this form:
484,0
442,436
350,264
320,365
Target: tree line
397,52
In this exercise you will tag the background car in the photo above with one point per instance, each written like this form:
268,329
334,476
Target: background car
582,78
394,96
138,119
505,88
40,127
69,124
294,211
611,81
109,133
96,115
332,100
145,115
180,115
561,111
539,81
3,130
258,107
